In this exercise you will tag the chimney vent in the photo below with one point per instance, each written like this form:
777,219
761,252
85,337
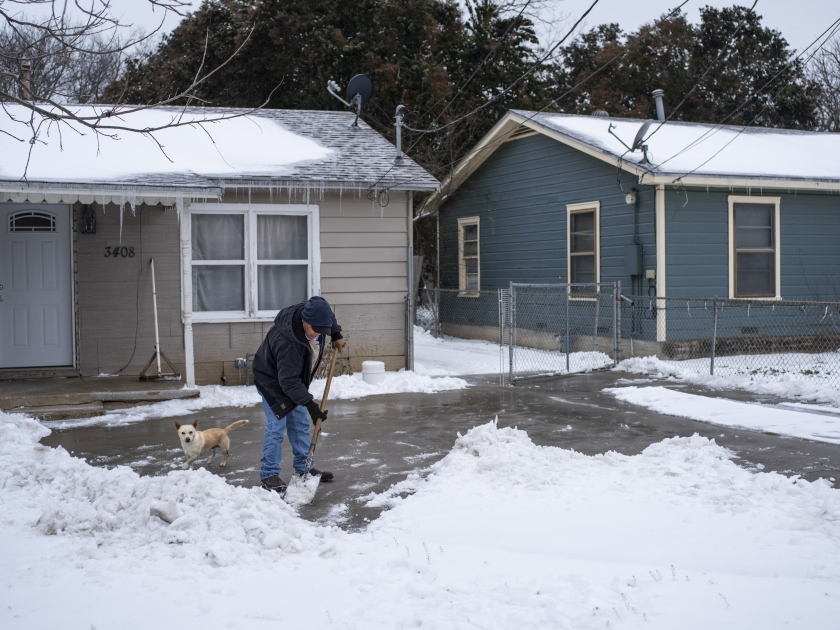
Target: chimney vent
660,109
25,78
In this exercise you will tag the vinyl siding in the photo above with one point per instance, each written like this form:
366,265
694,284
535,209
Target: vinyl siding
697,244
520,194
363,276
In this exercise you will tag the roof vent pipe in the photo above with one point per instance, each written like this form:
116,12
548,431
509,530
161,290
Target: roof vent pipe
25,81
660,109
401,112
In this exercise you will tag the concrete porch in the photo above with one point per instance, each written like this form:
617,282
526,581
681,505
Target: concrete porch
60,398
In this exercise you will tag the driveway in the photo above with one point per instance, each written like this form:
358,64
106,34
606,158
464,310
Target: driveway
375,442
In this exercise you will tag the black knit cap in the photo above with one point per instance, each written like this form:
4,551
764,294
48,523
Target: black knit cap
317,313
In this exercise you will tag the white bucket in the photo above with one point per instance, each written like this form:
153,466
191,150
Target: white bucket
373,372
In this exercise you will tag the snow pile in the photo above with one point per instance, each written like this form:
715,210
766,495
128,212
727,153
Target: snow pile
783,421
764,377
249,144
352,386
502,534
58,494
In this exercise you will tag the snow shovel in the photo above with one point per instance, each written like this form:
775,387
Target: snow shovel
302,488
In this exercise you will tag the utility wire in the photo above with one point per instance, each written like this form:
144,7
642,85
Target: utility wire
497,96
553,102
758,92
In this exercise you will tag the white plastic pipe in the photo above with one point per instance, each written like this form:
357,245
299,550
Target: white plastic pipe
186,291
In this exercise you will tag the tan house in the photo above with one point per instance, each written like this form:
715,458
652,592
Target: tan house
242,217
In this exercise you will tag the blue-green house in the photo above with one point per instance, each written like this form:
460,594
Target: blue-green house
695,210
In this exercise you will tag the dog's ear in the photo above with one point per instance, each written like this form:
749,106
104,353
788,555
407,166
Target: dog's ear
195,424
177,425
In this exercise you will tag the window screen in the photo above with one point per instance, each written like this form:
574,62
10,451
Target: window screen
469,257
582,247
755,251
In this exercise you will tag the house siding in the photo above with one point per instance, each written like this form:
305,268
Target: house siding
363,277
114,294
520,194
697,243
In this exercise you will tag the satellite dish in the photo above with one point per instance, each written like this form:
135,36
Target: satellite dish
362,86
640,136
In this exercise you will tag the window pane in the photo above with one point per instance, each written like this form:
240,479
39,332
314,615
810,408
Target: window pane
219,288
218,237
470,232
756,274
470,248
472,282
753,226
282,237
281,286
583,268
583,232
472,265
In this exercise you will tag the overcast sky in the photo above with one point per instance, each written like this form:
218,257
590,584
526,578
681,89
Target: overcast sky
799,21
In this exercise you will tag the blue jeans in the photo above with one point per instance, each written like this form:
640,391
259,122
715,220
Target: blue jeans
297,423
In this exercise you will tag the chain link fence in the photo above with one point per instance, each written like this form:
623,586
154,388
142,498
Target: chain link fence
768,340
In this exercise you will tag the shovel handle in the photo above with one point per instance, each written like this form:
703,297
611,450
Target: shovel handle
329,379
317,430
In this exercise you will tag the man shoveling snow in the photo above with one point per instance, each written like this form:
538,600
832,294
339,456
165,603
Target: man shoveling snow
283,371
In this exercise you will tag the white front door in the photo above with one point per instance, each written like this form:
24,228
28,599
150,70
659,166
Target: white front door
36,286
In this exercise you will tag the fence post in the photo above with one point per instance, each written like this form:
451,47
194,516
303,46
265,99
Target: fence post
511,334
616,322
437,313
714,337
597,315
568,299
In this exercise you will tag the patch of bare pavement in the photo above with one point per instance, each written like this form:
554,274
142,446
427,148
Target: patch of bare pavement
374,442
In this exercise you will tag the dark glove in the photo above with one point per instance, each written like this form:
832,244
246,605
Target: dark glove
315,412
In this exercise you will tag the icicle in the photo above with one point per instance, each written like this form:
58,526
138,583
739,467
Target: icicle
339,198
749,304
122,208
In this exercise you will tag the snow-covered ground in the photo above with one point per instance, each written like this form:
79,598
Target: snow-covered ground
805,376
811,422
450,356
501,534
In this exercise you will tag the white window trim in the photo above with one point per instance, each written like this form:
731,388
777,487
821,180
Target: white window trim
574,208
462,269
250,211
776,201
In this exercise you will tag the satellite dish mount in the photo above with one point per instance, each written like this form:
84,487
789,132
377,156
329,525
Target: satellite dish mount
358,93
638,141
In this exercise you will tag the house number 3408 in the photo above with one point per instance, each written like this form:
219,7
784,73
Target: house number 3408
119,252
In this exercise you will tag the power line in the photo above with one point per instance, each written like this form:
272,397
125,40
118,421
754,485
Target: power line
497,96
553,102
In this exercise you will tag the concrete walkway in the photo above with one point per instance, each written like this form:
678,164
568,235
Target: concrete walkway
375,442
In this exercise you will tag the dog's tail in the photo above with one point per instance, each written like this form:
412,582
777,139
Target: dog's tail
238,423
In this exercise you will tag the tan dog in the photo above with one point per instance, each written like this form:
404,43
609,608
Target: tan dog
196,442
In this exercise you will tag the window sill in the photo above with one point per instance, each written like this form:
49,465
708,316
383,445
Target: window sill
204,318
755,299
469,294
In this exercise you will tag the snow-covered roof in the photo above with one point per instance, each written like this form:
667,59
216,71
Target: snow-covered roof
262,148
680,149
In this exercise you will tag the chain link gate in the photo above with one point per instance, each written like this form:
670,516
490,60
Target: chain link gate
557,329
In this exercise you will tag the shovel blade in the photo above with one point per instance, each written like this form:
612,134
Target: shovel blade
301,491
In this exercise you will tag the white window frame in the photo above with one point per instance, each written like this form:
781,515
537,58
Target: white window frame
462,268
775,201
250,212
576,208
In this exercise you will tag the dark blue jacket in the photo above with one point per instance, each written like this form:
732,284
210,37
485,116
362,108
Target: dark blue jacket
282,366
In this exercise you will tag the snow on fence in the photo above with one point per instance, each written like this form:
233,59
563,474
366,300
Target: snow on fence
769,340
555,329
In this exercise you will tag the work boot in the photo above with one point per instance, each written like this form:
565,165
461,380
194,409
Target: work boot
325,475
273,483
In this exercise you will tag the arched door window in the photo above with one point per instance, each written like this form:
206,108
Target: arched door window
31,221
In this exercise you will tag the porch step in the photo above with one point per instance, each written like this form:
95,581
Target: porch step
18,402
63,412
